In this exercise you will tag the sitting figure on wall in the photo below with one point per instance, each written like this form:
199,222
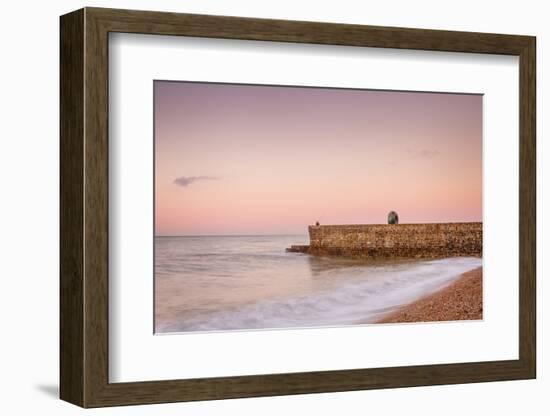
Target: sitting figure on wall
393,218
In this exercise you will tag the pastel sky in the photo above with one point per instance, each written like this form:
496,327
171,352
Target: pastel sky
249,159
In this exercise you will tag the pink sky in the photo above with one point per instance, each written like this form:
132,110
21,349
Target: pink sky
244,159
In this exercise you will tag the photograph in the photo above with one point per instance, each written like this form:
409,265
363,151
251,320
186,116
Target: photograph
280,207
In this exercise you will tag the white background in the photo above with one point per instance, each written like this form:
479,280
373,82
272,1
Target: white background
136,355
29,217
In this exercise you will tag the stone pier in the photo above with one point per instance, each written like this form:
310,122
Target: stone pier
430,240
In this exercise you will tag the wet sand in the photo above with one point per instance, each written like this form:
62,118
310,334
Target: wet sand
461,300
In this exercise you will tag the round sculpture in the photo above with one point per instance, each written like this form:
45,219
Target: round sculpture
393,218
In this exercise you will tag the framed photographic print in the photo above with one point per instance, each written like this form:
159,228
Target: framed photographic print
255,207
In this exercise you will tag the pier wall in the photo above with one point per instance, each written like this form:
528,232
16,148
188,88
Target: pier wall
432,240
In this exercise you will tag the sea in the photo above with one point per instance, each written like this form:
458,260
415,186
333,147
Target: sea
228,283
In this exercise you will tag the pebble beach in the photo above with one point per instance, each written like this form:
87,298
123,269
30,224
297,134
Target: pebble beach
461,300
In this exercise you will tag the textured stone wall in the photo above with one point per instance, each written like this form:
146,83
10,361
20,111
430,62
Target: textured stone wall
434,240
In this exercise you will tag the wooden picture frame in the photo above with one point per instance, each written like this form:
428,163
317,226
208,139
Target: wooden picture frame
84,207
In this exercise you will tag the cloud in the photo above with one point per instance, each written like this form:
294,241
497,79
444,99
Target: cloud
185,181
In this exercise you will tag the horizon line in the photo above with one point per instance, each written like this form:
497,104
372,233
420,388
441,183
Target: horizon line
312,225
227,235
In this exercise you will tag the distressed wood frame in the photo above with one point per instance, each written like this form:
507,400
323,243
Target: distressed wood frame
84,207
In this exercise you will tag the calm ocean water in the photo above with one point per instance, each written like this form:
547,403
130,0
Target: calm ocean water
250,282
